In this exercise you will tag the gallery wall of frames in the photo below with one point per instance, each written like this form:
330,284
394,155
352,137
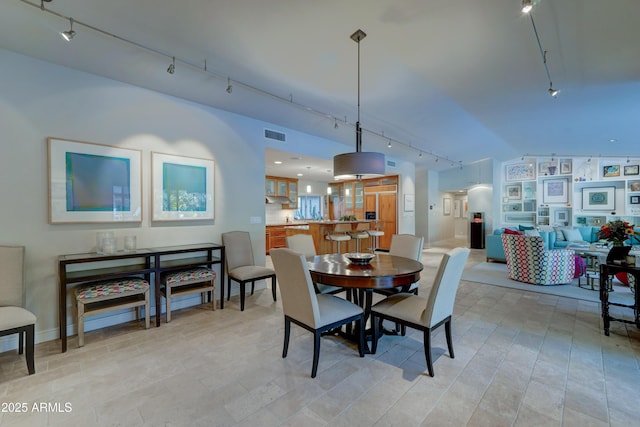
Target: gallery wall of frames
570,191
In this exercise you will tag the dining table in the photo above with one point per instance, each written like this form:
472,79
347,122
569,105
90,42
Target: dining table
384,271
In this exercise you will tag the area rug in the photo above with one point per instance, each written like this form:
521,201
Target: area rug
490,273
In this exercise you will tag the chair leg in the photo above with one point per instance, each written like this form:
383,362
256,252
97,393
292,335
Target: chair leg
30,349
228,287
253,287
376,329
20,343
447,330
273,287
427,351
287,332
242,289
360,325
316,353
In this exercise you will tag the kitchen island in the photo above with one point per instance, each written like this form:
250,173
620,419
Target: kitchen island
320,229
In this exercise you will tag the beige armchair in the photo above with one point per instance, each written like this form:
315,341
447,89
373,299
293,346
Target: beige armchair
14,319
241,266
316,313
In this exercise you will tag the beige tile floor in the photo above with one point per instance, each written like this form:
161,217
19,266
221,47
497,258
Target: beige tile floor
522,359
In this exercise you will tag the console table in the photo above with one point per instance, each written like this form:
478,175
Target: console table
607,270
74,269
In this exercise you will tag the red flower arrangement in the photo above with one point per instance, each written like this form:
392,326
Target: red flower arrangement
616,231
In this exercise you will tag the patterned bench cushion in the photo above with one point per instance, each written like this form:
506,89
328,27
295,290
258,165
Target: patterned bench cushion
193,275
113,288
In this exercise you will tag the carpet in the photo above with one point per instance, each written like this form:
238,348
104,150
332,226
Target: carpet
490,273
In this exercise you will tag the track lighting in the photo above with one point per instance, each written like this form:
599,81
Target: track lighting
172,66
527,5
553,92
389,144
420,155
69,34
229,87
335,123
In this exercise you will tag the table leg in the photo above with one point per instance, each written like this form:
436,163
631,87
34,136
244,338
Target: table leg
604,298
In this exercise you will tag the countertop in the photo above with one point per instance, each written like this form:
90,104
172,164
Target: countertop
329,222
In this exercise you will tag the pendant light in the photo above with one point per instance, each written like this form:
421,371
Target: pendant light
359,164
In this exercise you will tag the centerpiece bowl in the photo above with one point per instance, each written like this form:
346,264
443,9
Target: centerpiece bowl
359,258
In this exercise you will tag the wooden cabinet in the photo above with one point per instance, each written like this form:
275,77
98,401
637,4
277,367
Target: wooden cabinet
276,237
280,186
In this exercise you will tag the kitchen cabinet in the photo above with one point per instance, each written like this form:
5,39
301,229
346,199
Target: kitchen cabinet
276,237
281,186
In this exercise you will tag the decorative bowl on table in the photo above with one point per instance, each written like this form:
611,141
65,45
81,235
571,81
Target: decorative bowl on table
359,258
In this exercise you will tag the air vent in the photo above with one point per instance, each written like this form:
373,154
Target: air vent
275,135
391,163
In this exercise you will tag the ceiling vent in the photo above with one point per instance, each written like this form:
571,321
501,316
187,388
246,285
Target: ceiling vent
275,135
391,163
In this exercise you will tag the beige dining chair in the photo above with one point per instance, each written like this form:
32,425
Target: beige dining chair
241,266
14,319
406,246
301,305
303,243
425,313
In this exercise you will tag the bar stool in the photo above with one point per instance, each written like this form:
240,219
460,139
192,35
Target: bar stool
340,233
375,234
360,233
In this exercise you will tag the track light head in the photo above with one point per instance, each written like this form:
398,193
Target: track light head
527,6
69,34
229,87
553,92
172,66
389,144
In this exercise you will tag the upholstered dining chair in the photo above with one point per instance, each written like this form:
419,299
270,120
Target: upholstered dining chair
14,319
425,313
303,243
316,313
407,246
241,266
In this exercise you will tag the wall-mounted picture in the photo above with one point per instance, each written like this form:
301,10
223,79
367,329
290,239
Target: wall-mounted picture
520,172
513,192
409,202
611,170
93,183
562,216
457,208
634,200
566,166
555,191
599,198
446,206
182,188
632,170
634,185
548,168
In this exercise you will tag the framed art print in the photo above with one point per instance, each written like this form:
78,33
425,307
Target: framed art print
632,170
634,200
520,172
446,206
182,188
93,183
513,192
599,198
566,166
555,191
610,171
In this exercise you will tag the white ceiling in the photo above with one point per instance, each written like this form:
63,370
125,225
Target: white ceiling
461,79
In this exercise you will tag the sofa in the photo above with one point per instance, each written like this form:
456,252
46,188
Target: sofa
529,261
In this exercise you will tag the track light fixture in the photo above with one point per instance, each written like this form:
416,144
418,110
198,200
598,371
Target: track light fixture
335,123
172,66
527,5
229,87
389,144
69,34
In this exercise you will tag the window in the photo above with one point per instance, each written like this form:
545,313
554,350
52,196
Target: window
309,207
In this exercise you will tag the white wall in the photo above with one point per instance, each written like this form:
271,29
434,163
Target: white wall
39,99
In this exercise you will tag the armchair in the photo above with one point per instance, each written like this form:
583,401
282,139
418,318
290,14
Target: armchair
529,261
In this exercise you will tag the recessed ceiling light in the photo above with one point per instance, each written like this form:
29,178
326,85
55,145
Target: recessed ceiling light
300,174
278,162
613,140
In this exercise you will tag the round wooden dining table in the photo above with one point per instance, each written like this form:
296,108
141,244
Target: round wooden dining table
383,272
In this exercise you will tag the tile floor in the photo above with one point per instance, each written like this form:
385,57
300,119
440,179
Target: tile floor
522,359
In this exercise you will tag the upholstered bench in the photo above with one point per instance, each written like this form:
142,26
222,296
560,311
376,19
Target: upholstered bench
108,295
194,280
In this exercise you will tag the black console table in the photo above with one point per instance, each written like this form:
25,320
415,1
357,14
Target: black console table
607,270
89,267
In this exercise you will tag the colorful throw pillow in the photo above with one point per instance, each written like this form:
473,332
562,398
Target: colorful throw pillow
510,231
581,266
559,234
534,233
525,227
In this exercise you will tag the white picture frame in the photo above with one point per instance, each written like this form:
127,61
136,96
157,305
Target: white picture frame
182,188
446,206
93,183
599,199
555,191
